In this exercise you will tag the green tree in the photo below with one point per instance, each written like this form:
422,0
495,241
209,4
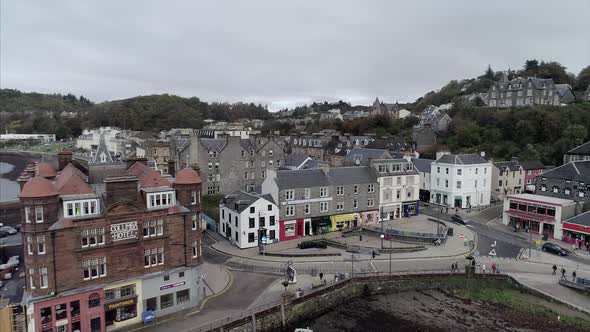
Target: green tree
583,80
531,67
489,74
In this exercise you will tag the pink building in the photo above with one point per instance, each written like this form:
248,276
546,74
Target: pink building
78,312
531,168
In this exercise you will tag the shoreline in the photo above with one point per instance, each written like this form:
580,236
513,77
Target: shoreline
20,160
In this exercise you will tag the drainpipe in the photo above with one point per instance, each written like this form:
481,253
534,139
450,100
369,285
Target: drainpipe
53,256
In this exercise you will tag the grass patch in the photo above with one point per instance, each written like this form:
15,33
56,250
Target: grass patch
518,301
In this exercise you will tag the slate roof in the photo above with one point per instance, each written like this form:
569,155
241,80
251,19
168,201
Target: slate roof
423,165
350,175
364,154
244,200
580,219
462,159
213,143
583,149
295,159
102,147
531,164
513,166
574,171
302,178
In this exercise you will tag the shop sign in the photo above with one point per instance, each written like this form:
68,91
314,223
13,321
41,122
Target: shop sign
61,322
176,284
120,304
124,231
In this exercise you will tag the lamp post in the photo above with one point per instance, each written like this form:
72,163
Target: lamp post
389,256
381,220
530,236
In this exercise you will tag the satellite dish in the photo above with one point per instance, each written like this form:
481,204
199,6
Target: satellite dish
482,154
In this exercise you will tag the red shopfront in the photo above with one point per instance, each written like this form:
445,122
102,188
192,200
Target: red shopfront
540,218
79,312
291,229
571,230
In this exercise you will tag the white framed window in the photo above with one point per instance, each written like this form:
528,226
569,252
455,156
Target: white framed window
162,199
567,191
371,188
370,202
581,194
289,195
195,221
485,170
324,192
459,171
153,228
153,257
356,189
324,206
38,214
92,237
94,268
307,193
485,181
555,189
196,249
27,214
446,183
43,282
80,208
31,278
437,181
290,210
41,244
340,190
30,246
355,204
307,209
193,197
458,184
339,206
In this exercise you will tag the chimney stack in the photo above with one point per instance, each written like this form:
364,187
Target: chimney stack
63,159
121,188
22,179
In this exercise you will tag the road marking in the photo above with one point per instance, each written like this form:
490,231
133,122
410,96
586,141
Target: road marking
492,253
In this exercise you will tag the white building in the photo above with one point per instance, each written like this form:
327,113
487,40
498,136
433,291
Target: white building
460,181
399,185
423,167
403,113
249,220
90,139
333,114
41,137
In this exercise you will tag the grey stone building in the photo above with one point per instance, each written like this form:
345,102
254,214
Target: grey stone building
231,163
587,94
315,201
568,181
581,152
523,92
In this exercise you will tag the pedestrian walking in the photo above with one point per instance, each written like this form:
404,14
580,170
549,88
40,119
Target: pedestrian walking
452,267
483,268
554,269
498,268
321,275
562,272
574,276
494,268
456,266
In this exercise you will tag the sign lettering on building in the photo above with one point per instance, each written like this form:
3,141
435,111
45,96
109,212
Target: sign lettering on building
176,284
120,304
124,231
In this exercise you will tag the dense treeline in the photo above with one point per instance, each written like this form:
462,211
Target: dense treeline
531,133
42,113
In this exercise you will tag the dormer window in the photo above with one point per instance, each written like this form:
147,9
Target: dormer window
162,199
80,208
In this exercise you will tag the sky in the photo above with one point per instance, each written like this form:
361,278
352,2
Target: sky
279,53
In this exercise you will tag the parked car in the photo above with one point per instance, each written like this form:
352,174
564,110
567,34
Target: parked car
8,229
554,248
17,227
3,234
458,219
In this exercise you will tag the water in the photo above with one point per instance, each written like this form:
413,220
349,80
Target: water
8,189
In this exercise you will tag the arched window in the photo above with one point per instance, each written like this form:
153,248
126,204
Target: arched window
93,300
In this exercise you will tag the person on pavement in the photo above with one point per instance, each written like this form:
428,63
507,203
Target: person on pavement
554,269
574,276
562,272
483,268
321,276
494,268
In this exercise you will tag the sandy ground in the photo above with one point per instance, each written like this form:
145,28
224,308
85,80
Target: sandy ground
430,311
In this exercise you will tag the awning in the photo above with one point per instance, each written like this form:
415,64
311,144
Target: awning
342,217
576,227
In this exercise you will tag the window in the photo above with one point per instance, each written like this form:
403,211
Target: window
161,199
153,228
46,316
153,257
370,188
447,170
437,181
543,187
250,237
60,311
38,214
307,209
41,244
409,193
459,171
183,296
196,249
555,189
458,184
251,223
74,308
500,183
355,204
94,268
30,246
370,202
290,229
269,207
194,197
290,210
195,221
323,206
289,195
251,153
399,180
485,182
476,170
340,190
446,183
356,189
123,291
167,277
152,303
27,214
93,300
261,222
80,208
32,278
210,166
485,170
271,220
567,191
580,194
438,169
339,206
92,237
166,301
324,192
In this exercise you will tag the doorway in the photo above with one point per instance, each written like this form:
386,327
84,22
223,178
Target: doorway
95,324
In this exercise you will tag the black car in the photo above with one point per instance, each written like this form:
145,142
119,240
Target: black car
3,233
458,219
554,248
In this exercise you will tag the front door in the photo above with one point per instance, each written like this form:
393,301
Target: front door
307,228
95,325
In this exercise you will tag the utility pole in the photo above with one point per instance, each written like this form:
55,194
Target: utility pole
530,237
352,267
381,219
389,256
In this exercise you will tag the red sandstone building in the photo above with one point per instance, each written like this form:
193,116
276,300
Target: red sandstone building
98,254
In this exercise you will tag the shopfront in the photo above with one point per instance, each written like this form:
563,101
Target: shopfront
391,212
71,313
174,290
343,221
320,225
368,217
292,229
577,228
123,305
410,208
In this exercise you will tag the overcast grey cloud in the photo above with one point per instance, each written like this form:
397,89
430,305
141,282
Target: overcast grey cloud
279,53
